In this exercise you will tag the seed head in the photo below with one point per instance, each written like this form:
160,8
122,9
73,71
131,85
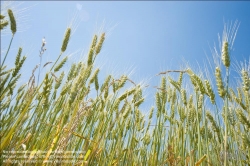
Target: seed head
158,101
60,65
138,103
12,21
106,82
183,96
59,81
43,42
225,54
18,56
96,83
199,84
1,16
66,40
246,80
3,24
220,85
100,43
18,67
151,113
243,118
210,91
94,41
90,56
92,79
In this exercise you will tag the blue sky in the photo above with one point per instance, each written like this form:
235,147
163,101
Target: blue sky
143,37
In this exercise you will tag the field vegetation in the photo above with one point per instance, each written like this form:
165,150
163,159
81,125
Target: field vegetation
204,122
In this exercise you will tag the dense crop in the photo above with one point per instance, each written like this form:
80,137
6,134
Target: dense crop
59,114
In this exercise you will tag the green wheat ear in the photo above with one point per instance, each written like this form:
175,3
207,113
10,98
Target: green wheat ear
225,54
2,16
92,50
242,118
92,79
18,56
4,23
12,21
210,91
58,83
60,65
100,43
66,40
151,112
105,84
184,96
94,41
246,81
18,66
46,90
220,85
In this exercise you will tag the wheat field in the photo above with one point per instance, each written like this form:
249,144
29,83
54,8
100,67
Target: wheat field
43,122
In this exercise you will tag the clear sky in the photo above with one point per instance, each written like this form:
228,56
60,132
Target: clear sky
145,37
